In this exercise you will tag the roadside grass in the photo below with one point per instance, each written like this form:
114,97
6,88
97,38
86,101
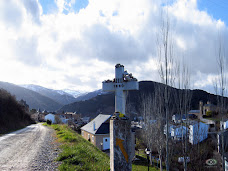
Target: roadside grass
77,153
143,168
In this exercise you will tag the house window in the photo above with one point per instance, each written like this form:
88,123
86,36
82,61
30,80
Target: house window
82,133
92,138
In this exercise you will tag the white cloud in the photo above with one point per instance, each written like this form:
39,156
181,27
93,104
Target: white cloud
79,50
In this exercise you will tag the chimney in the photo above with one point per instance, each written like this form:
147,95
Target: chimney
94,126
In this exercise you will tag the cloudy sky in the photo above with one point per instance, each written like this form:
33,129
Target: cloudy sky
75,44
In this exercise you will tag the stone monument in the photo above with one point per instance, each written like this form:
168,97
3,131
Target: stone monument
121,137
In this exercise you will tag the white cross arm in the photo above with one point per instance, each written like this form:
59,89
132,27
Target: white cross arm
112,86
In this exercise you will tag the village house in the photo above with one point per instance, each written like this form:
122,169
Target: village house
224,125
45,112
85,119
53,117
50,117
196,113
206,108
198,131
97,132
178,118
72,116
226,161
178,131
219,138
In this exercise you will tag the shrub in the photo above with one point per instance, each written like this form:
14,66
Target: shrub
13,115
209,113
49,122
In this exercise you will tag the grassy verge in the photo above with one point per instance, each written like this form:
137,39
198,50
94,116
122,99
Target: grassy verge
77,153
143,168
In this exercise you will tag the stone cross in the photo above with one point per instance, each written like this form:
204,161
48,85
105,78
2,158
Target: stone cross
120,84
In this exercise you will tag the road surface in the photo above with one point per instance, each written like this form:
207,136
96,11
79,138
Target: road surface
31,148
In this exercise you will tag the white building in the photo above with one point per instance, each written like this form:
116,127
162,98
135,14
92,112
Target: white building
198,132
226,165
85,119
178,118
176,132
169,129
224,125
50,117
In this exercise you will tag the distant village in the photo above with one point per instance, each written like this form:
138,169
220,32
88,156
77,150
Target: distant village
197,127
202,123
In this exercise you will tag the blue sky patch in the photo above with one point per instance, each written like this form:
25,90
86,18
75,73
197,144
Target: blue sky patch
217,9
115,13
79,4
49,6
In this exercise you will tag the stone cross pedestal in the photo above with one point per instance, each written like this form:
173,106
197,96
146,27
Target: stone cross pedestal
121,137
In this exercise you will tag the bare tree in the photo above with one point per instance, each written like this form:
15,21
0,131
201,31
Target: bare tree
153,114
183,103
221,85
166,72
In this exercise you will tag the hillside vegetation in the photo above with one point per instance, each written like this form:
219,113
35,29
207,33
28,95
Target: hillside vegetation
12,114
32,98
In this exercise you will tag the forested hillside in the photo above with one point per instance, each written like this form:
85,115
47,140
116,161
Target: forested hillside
12,114
105,103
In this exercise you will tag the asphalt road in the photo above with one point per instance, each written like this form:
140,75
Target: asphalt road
28,149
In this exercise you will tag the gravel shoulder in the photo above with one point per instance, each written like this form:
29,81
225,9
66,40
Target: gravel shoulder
32,148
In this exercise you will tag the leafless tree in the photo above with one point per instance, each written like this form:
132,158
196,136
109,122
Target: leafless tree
183,102
166,72
221,85
153,114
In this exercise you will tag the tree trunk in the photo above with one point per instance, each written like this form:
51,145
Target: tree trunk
160,158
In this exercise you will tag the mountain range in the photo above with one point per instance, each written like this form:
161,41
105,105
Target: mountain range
33,99
59,96
104,103
92,103
38,97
